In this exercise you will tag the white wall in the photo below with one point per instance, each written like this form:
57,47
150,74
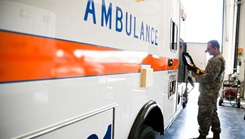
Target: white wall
241,44
197,52
203,20
229,37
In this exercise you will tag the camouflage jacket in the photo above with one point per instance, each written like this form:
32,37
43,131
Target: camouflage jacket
211,81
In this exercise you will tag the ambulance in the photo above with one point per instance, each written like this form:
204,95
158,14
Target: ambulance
89,69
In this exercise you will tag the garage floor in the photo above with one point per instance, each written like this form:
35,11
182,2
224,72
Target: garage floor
185,125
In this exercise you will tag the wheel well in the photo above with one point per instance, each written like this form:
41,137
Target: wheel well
151,115
155,120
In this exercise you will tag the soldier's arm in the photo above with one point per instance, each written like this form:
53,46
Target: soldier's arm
211,72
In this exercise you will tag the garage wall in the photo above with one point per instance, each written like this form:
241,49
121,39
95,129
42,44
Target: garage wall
241,45
197,52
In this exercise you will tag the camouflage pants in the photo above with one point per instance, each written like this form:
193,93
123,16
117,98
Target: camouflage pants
207,115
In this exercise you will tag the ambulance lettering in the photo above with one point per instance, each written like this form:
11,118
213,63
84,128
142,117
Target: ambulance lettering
124,22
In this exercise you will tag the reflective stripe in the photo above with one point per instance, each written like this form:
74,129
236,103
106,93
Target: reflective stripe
27,57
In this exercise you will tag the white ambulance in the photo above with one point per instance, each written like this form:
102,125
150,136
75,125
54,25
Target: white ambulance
88,69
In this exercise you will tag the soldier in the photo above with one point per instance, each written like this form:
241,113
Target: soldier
210,83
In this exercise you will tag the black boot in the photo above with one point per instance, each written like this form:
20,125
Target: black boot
216,136
200,137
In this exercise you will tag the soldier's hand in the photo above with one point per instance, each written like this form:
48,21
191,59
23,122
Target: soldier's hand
195,69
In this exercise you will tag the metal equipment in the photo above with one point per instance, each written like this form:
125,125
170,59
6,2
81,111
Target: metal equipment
230,92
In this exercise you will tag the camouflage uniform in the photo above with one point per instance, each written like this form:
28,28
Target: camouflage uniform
209,85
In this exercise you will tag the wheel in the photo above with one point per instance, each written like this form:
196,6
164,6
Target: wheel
184,104
147,132
220,101
185,98
238,103
178,99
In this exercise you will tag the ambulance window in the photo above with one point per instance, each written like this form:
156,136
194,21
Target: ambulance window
174,37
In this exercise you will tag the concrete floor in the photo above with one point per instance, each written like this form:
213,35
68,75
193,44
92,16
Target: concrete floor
185,125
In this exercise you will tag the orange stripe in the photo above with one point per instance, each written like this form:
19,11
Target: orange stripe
26,57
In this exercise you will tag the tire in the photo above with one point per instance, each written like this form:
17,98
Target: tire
178,99
238,103
184,105
185,99
220,101
147,132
